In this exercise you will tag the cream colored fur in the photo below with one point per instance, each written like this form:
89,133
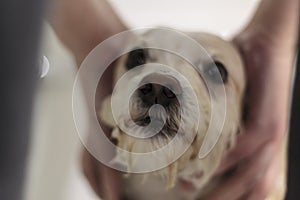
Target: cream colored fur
165,184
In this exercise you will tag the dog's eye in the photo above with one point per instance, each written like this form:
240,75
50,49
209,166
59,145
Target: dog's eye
215,70
135,58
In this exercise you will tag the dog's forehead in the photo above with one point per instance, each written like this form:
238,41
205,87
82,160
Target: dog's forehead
165,39
178,44
197,48
171,50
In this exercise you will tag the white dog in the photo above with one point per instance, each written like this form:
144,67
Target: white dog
189,177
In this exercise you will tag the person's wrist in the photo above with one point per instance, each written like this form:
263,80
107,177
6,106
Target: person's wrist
89,41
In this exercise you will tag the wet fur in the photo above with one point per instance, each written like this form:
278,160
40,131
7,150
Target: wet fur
164,184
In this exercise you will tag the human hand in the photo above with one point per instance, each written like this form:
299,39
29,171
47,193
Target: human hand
103,180
268,49
81,25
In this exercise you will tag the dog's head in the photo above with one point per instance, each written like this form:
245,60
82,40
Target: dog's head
168,87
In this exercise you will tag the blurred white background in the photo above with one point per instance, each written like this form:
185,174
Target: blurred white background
54,168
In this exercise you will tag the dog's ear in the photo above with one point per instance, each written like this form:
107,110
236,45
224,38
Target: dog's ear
105,114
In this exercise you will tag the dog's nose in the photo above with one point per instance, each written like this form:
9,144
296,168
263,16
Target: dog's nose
159,89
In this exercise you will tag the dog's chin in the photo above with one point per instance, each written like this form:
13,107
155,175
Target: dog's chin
168,119
168,125
161,139
180,128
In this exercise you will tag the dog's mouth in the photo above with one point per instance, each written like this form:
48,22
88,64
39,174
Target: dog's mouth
145,121
155,124
159,123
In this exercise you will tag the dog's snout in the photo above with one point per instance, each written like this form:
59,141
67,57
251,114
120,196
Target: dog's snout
146,89
156,94
157,90
163,91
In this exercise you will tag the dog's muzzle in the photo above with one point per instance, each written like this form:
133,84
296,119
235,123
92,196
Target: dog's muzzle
156,101
159,89
157,94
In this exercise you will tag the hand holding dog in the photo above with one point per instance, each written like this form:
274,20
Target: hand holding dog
268,47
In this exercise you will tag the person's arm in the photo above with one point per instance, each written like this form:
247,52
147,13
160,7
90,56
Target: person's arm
81,25
268,46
